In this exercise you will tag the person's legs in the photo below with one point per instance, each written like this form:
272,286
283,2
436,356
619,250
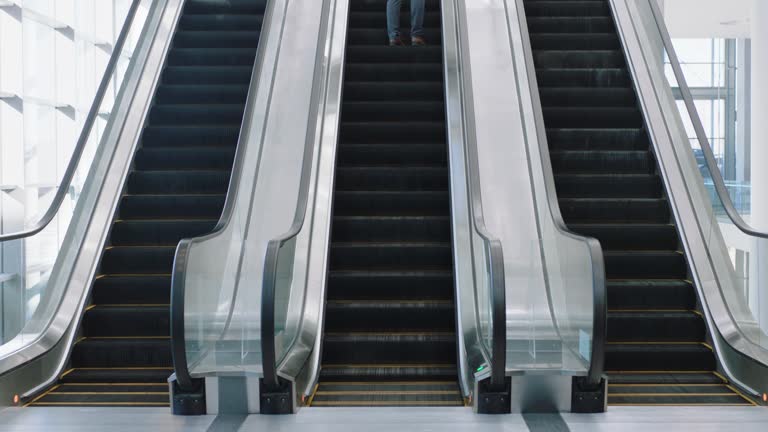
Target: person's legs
393,19
417,18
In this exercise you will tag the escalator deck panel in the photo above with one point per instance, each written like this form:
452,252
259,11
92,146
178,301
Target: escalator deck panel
390,316
175,190
609,187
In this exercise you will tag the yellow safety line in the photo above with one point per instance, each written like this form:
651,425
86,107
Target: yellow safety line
125,337
110,393
717,374
390,392
114,384
386,403
90,307
671,394
126,368
312,397
103,403
660,372
66,373
708,346
389,365
133,305
667,385
387,383
743,396
41,396
677,404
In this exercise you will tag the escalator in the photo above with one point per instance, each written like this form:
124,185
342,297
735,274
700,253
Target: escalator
609,188
176,189
389,335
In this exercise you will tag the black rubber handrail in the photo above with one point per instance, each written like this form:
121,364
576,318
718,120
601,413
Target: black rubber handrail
494,251
90,120
272,255
181,259
701,134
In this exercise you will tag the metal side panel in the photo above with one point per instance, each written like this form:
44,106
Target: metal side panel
39,363
708,257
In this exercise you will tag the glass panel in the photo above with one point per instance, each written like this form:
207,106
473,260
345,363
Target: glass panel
51,64
719,96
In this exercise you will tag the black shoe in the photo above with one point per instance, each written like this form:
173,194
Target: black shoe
418,41
396,42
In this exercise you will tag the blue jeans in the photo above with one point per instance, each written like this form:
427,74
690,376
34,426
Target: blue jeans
393,18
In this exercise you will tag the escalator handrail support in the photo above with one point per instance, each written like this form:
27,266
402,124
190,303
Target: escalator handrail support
701,135
271,256
90,121
599,292
181,257
492,245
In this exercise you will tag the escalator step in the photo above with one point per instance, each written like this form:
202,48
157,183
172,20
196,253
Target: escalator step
590,117
368,15
599,162
392,154
138,259
612,139
391,228
222,21
389,285
211,57
216,39
225,6
402,72
392,178
126,320
659,357
574,59
665,378
631,236
375,36
389,256
608,185
132,289
192,158
211,75
658,325
410,132
587,97
651,294
170,206
122,352
189,114
678,399
615,210
176,95
389,316
385,54
158,232
388,372
645,265
117,375
593,78
393,111
388,348
575,41
178,182
536,8
391,203
181,136
565,24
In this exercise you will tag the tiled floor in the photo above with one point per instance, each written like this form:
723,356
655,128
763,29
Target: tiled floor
624,419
